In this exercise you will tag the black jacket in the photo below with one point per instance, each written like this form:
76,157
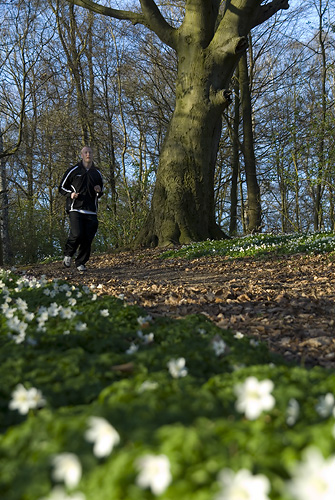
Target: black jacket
80,180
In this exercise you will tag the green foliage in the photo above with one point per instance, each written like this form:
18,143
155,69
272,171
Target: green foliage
75,350
259,245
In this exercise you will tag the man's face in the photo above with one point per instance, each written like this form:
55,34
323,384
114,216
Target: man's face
87,156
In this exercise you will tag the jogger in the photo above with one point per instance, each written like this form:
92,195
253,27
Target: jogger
82,185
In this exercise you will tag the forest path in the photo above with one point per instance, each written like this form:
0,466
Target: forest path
286,301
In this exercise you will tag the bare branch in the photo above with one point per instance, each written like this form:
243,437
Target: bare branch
150,17
156,22
268,10
133,17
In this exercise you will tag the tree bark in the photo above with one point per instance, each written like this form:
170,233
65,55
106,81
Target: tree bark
182,208
321,169
235,161
254,202
6,254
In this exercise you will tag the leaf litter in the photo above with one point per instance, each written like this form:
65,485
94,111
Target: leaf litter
284,301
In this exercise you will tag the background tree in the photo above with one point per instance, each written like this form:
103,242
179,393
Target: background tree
5,243
253,200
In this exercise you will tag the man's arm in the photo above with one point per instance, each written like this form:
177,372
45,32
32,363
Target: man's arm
65,187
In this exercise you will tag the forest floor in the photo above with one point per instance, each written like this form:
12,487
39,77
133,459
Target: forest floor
286,301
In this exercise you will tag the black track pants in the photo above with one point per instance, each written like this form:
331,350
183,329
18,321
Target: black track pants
82,231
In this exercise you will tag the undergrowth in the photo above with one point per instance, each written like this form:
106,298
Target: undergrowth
100,401
258,245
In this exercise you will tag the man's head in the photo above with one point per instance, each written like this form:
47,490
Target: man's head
87,156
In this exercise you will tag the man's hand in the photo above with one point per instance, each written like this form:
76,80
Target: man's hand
74,195
97,189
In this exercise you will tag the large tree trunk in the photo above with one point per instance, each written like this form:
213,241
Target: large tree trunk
182,208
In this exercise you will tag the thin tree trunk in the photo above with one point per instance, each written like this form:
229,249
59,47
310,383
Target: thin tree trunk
321,160
6,253
235,162
296,194
254,202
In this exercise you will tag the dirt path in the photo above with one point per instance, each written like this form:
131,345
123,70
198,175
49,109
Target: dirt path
289,302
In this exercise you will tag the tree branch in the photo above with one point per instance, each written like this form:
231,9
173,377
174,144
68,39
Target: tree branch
126,15
266,11
150,17
156,22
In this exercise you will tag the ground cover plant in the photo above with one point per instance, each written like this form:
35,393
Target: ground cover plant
258,245
99,400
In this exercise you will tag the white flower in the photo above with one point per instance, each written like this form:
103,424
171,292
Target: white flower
43,316
238,335
9,312
103,435
72,301
29,316
177,368
325,405
67,468
16,325
154,473
292,412
254,397
219,346
18,339
147,385
144,320
53,310
313,479
94,297
104,313
242,485
132,348
25,399
22,305
4,307
58,493
80,326
67,313
146,338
